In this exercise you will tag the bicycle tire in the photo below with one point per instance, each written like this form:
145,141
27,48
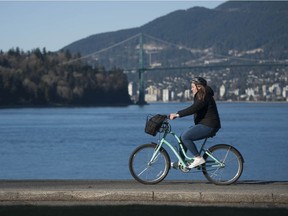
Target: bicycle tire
232,165
144,172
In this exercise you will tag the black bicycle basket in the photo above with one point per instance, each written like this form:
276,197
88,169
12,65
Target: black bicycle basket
154,123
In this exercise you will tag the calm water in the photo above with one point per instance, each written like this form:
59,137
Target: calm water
95,143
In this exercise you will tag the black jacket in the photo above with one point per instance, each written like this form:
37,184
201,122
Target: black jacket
205,111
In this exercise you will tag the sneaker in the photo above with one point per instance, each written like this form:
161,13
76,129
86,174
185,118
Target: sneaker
197,161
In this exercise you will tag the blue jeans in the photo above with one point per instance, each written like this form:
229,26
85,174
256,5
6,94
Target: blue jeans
194,133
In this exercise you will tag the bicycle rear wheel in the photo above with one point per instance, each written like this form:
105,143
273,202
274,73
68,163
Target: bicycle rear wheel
228,166
146,171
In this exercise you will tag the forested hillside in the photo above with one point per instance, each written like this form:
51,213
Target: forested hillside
40,78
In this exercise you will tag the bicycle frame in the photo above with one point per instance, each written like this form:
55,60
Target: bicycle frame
163,142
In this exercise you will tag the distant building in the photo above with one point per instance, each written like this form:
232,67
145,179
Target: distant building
264,90
249,93
172,95
187,94
275,89
285,93
222,91
165,95
150,97
132,89
152,94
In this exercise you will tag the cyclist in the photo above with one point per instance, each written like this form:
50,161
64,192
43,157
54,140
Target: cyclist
206,118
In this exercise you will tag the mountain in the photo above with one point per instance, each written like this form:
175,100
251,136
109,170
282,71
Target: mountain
250,29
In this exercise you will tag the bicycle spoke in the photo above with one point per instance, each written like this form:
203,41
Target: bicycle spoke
226,155
142,171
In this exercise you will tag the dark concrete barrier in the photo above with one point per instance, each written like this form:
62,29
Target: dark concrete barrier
136,210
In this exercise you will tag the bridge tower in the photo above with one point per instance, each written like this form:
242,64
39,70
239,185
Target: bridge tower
141,70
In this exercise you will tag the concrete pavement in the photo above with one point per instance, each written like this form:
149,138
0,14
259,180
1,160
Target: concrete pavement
98,192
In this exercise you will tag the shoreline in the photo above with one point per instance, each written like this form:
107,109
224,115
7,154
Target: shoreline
133,104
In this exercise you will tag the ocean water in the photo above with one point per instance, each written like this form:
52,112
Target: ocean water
95,143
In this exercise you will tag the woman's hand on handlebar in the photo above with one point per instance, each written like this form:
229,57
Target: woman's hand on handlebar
173,116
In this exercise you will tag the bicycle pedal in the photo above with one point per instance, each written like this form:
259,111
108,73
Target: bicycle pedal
174,165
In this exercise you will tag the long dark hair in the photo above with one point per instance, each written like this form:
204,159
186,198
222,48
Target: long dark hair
201,92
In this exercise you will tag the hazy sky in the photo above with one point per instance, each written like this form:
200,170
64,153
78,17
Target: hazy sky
55,24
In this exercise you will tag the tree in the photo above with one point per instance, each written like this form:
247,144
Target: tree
39,78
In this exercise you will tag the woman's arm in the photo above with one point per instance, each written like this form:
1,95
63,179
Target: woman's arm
195,107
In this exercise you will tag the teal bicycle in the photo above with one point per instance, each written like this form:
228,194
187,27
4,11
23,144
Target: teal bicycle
150,163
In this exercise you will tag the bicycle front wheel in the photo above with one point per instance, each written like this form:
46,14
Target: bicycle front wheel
224,164
146,169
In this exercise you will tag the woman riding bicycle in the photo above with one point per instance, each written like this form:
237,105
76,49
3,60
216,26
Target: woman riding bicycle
206,118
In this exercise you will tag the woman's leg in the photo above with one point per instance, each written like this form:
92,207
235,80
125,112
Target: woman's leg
194,133
180,151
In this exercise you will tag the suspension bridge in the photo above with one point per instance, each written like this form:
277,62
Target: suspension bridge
136,53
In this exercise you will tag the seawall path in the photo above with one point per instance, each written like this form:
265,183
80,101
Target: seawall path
99,192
